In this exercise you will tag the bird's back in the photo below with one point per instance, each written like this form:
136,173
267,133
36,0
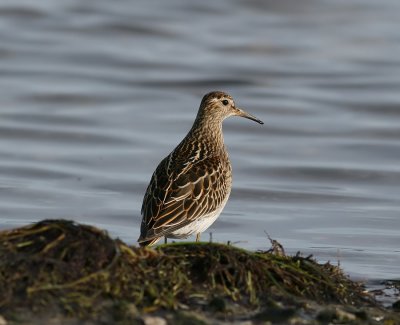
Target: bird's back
190,183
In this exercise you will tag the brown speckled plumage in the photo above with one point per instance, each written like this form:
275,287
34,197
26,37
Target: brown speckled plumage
190,186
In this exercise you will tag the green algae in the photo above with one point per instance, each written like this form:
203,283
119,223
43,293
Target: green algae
79,271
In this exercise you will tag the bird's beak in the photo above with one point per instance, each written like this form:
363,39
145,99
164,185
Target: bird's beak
242,113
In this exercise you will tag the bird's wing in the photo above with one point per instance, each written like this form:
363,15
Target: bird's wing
175,199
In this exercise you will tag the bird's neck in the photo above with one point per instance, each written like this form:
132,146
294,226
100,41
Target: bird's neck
209,134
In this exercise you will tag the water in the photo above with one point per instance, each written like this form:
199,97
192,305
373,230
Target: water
93,94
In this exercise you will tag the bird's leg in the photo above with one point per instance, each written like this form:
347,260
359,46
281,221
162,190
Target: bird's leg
165,239
198,237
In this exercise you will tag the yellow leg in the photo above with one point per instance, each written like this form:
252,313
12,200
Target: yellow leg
198,237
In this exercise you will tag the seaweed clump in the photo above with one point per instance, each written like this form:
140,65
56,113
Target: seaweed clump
61,267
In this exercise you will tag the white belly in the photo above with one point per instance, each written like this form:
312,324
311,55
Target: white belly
199,225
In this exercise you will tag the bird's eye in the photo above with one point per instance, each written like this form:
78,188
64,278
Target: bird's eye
225,102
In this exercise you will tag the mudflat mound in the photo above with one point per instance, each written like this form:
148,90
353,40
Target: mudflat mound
64,270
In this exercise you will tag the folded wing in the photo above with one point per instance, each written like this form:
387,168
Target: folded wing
175,198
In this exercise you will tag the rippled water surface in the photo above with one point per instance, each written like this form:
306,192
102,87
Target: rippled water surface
93,94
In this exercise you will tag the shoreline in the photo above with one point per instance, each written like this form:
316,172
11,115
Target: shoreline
69,273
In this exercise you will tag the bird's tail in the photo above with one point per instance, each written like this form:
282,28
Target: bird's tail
149,242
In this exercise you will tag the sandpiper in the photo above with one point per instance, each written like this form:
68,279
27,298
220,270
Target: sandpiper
191,186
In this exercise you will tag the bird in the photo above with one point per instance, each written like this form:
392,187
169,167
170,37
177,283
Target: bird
190,187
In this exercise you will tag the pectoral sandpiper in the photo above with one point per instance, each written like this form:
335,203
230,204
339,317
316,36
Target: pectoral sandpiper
191,186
